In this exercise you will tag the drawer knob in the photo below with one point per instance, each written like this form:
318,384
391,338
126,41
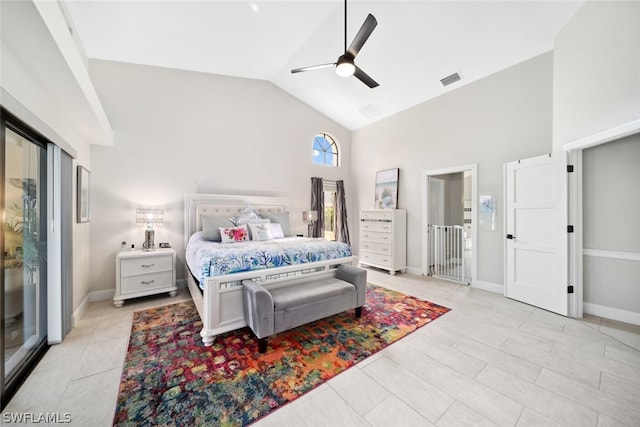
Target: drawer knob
147,265
147,282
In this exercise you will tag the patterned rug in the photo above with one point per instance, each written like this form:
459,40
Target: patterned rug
171,378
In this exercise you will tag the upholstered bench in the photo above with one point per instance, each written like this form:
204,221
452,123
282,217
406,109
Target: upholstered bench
289,303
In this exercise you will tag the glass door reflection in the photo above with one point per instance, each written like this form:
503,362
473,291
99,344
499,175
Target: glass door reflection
24,255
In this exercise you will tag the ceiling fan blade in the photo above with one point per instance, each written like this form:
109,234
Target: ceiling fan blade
313,68
365,31
364,78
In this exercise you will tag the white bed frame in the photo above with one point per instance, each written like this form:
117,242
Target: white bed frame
220,303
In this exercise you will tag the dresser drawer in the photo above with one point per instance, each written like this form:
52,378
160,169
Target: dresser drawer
377,215
143,265
385,227
376,236
381,248
146,282
375,259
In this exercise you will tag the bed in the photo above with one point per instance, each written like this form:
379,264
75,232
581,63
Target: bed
214,270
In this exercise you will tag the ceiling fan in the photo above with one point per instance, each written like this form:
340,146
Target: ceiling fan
345,66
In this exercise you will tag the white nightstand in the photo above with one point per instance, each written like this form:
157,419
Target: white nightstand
140,273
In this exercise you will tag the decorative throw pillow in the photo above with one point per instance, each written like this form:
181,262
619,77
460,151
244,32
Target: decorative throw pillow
245,214
261,232
281,218
276,230
211,227
234,234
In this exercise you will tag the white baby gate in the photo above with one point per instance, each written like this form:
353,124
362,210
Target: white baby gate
447,249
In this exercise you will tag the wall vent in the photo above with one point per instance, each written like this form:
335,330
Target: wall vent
369,111
455,77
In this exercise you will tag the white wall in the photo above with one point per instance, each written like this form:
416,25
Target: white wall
178,132
596,89
38,87
611,212
597,70
503,117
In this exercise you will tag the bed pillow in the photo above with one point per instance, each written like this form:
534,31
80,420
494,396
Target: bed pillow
281,218
261,232
211,227
276,230
234,234
245,214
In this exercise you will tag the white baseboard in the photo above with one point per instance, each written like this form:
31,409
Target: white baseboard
612,313
105,295
488,286
416,271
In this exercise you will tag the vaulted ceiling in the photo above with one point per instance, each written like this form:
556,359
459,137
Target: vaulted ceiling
415,44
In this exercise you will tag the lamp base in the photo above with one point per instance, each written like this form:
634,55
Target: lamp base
149,244
310,229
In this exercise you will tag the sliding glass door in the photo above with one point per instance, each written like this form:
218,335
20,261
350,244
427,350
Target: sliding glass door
23,253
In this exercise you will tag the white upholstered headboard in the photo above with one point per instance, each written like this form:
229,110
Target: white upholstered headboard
196,204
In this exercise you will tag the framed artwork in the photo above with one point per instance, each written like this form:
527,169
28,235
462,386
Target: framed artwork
387,189
487,212
84,206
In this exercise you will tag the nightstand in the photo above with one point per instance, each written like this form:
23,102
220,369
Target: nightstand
140,273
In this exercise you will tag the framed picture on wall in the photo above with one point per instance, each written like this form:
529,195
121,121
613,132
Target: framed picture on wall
387,189
84,206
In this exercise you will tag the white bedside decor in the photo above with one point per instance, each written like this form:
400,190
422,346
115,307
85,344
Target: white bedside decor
142,273
149,217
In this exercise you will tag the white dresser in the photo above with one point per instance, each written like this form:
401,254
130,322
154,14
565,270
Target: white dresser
383,239
140,273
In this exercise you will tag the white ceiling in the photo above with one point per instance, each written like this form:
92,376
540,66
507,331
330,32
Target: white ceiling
415,44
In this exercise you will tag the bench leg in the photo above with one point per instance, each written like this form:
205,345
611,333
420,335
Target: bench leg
262,344
358,312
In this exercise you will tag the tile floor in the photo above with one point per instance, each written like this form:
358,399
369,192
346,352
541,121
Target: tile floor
490,361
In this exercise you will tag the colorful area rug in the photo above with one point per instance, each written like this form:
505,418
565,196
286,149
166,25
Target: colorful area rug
171,378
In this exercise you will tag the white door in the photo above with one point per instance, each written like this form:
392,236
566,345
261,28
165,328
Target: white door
536,232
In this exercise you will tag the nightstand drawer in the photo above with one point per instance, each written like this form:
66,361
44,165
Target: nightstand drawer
146,282
143,265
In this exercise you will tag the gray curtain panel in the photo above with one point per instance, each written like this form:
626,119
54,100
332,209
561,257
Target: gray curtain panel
317,204
342,229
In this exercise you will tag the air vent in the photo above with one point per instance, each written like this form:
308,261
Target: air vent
369,111
455,77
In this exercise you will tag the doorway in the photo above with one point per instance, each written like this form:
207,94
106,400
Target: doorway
23,251
449,223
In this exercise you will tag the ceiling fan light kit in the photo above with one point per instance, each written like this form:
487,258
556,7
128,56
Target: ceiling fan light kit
345,65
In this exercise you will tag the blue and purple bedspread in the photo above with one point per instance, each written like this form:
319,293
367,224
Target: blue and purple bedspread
206,259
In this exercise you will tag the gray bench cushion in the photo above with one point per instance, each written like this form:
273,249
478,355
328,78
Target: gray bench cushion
305,293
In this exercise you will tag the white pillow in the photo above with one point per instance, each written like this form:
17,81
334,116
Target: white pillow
276,230
234,234
261,232
245,214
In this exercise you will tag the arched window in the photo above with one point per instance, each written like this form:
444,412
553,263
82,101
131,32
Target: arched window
325,150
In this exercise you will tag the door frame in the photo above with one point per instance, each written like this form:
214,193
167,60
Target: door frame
574,150
473,168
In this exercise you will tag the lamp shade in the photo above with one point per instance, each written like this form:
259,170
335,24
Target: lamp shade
149,217
309,216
